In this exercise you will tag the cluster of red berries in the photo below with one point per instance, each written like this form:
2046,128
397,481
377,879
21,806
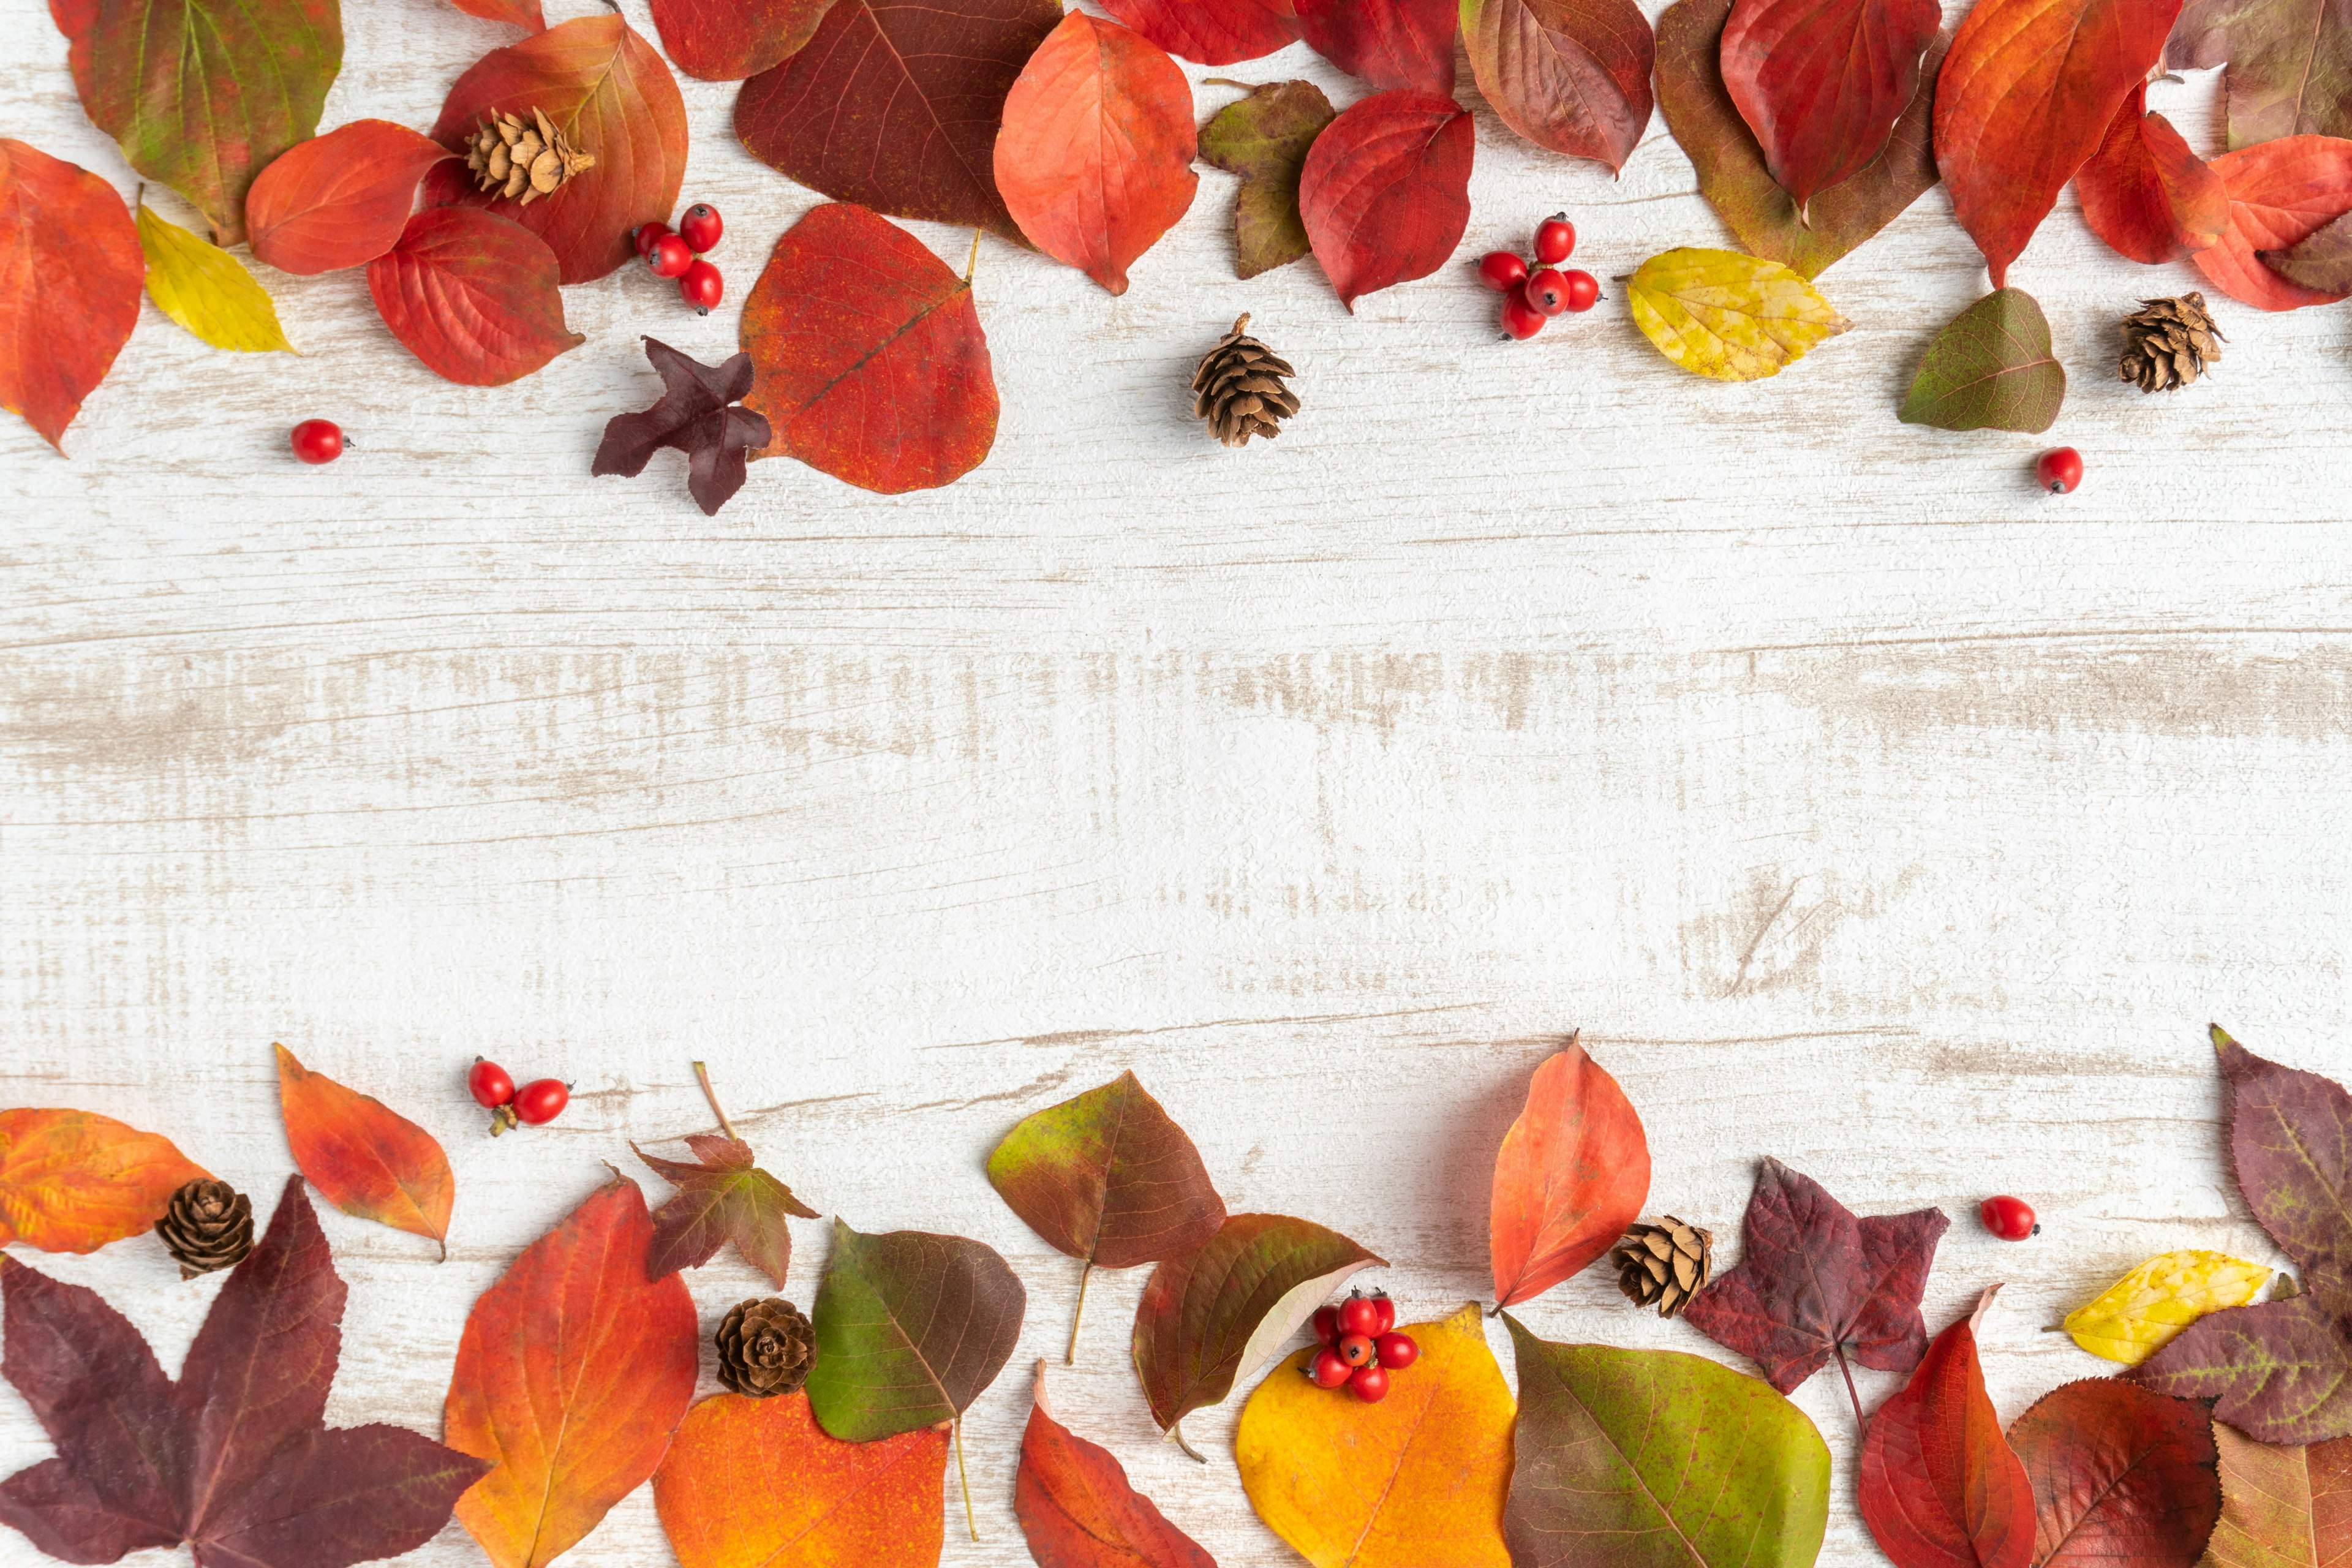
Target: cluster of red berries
677,253
2011,1219
535,1103
1534,295
1360,1346
2060,472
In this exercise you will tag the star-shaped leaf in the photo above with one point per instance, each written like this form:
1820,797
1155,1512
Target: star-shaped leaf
726,1197
700,414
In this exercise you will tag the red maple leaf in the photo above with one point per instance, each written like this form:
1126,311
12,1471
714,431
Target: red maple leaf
725,1198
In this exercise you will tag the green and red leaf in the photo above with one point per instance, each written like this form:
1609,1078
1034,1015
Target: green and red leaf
2281,193
1385,192
339,200
727,40
1078,1509
722,1195
368,1159
1570,75
1264,138
70,275
2145,194
1571,1174
1941,1488
2119,1475
1821,85
1384,44
911,1329
1108,1177
2290,63
473,295
1991,368
1211,32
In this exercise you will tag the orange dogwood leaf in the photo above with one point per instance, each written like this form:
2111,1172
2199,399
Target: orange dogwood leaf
340,199
1569,1178
368,1159
72,1181
2145,194
2280,192
71,275
1078,1509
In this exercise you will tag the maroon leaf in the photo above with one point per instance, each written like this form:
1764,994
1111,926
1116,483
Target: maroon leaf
2280,1371
699,414
1385,193
727,40
1385,43
2120,1476
2145,194
473,295
1822,85
1570,75
1212,32
726,1197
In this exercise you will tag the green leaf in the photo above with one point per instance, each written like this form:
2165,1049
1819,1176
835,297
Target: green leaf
910,1328
1658,1459
1731,317
206,289
1264,137
1991,370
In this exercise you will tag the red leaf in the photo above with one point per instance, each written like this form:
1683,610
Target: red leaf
1385,43
2280,192
1078,1509
723,1196
604,87
1212,32
1570,1178
1385,193
727,40
1822,85
872,365
2145,194
895,105
1940,1486
338,200
71,275
2026,97
2120,1476
524,13
473,295
1095,158
1570,75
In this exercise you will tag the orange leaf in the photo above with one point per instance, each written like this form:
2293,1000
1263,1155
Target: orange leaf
574,1371
366,1158
1078,1509
339,200
72,1181
71,275
1569,1178
756,1483
2281,193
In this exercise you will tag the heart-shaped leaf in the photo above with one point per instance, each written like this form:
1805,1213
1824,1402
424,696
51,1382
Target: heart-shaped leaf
2320,261
72,1181
1211,32
70,273
2290,63
2148,1308
1384,43
1571,1174
1078,1509
473,295
1570,75
911,1327
1731,317
368,1159
339,200
727,40
2119,1475
1385,192
1992,369
2283,1507
1265,139
1941,1488
722,1195
2145,194
1822,85
2281,193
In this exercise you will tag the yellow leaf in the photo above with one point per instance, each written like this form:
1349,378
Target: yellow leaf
1733,316
2134,1317
1415,1481
206,289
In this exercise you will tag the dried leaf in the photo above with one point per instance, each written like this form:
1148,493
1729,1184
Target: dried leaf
727,40
1385,192
1265,139
1940,1486
1570,75
206,289
2120,1476
1384,44
1211,32
1108,1177
367,1158
910,1328
2145,194
1414,1481
2280,1371
473,295
1094,160
2281,193
1078,1509
573,1371
72,1181
1821,85
524,13
1732,317
722,1195
1990,369
700,414
2283,1507
233,1459
2320,261
70,273
1658,1459
1571,1174
2144,1310
2290,63
339,200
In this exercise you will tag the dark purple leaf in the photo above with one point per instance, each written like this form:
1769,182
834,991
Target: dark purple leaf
699,414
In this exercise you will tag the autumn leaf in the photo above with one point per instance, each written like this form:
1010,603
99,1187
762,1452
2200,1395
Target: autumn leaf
1570,75
1814,1279
2320,261
2290,64
70,273
1094,160
700,414
1571,1174
367,1158
72,1181
1264,137
1211,32
870,361
206,289
524,13
473,295
2280,1371
1990,369
1940,1486
339,200
2145,194
233,1458
727,40
1385,191
1658,1459
2144,1310
756,1483
721,1196
1384,44
1822,85
2283,1507
573,1371
1078,1509
895,105
2119,1475
1734,318
2281,193
2027,94
1414,1481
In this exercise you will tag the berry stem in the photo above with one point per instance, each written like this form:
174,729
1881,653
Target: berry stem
1176,1436
971,1520
1070,1357
702,1075
1847,1373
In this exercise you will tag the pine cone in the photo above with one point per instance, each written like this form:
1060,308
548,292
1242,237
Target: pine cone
765,1348
1241,389
208,1225
1663,1264
2169,342
526,161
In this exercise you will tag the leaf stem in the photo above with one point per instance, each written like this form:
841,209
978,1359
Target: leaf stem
971,1520
702,1076
1176,1436
1228,81
1846,1374
1070,1357
971,265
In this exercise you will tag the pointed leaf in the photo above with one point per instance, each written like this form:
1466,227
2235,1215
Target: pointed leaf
2028,92
72,1181
1940,1486
1211,32
2148,1308
2283,1507
2119,1475
895,105
1821,85
1571,1174
1570,75
1992,369
1658,1459
1734,318
2145,194
910,1328
2321,260
206,289
722,1196
2280,1371
2291,1150
700,414
70,271
1264,139
2281,193
2290,63
573,1371
524,13
756,1483
339,200
1078,1509
727,40
1108,1177
367,1158
870,361
1384,43
1385,192
473,295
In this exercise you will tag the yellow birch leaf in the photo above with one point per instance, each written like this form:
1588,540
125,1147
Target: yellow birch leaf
1732,317
1416,1481
2134,1317
206,289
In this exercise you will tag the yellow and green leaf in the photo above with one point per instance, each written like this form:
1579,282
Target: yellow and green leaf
1732,317
206,289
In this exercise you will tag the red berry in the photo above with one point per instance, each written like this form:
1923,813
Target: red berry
1501,271
2059,472
318,440
649,235
1383,1314
1326,1324
669,256
701,286
1583,290
1359,1316
1327,1370
1358,1350
700,228
1555,239
1546,291
1370,1384
1397,1351
490,1083
541,1100
1521,320
2011,1219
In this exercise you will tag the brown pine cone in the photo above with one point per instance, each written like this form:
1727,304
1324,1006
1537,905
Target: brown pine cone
1663,1265
208,1225
1240,389
765,1348
2167,344
515,159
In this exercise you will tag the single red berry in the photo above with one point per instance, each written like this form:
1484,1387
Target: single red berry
1555,239
701,286
541,1100
1326,1324
1370,1384
669,256
1583,290
2059,472
1358,1350
1546,291
490,1084
318,440
1501,271
1397,1351
1521,320
1383,1313
649,235
1359,1316
2011,1219
701,226
1327,1370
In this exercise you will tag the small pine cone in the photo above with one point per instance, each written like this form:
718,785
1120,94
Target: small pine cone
519,160
2167,344
765,1347
1663,1265
208,1225
1240,389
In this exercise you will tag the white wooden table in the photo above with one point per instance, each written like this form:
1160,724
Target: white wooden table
1863,806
